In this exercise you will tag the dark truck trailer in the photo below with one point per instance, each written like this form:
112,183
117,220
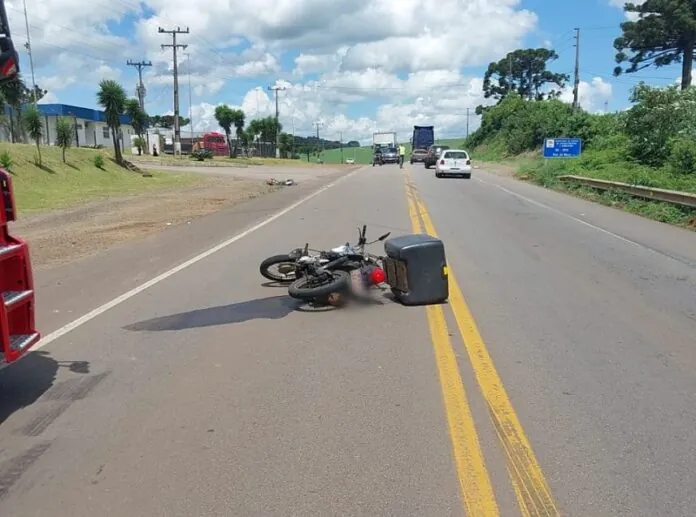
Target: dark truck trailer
423,138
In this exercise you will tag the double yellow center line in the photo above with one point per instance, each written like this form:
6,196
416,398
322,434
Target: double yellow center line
528,481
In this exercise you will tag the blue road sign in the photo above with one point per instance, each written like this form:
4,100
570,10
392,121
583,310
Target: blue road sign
562,147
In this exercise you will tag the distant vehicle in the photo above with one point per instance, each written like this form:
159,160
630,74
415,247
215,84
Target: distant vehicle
418,155
382,140
453,162
350,161
423,137
215,142
433,155
389,155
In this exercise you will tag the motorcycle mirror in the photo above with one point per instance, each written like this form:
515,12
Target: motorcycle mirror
384,236
364,230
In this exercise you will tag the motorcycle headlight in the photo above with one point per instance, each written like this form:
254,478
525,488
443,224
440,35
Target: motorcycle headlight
295,254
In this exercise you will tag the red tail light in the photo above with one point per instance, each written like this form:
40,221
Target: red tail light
9,68
442,162
377,276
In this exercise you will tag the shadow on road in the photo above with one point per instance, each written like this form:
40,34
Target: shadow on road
273,307
274,284
23,383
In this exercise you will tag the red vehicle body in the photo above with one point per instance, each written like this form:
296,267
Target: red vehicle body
215,142
17,328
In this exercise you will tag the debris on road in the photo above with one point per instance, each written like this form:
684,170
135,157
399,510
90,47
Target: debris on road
281,183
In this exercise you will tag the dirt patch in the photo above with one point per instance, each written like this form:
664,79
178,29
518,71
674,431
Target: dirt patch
499,169
62,236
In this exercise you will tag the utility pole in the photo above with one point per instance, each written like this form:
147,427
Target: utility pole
188,67
467,122
174,47
317,124
576,83
140,90
276,89
27,45
341,139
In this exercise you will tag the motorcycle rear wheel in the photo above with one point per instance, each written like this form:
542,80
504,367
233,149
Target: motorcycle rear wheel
285,263
307,288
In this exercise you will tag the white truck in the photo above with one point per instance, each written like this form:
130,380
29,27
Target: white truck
383,140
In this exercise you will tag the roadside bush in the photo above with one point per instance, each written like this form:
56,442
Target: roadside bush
682,156
201,154
658,116
98,161
6,160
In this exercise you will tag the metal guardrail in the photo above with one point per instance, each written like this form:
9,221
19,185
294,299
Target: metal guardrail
656,194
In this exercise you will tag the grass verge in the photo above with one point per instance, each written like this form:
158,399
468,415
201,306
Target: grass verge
58,185
217,161
605,165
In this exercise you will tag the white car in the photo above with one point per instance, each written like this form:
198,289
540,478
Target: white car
453,162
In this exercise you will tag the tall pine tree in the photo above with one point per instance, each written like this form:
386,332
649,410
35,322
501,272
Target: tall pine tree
663,34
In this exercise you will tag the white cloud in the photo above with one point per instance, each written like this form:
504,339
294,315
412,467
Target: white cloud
591,95
402,61
49,98
620,4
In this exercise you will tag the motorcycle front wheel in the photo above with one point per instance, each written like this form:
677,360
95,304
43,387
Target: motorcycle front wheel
279,268
309,288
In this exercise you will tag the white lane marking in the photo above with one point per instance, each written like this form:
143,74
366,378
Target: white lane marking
139,289
564,214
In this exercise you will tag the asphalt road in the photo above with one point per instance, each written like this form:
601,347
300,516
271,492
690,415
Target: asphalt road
561,375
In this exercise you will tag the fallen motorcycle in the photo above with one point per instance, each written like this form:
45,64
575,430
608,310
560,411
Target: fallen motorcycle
284,268
343,270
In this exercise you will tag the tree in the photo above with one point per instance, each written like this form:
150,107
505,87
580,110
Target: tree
266,127
286,146
139,119
16,93
663,34
112,97
34,125
238,119
65,132
167,121
658,118
525,73
225,117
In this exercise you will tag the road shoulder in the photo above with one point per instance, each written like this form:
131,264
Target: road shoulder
67,290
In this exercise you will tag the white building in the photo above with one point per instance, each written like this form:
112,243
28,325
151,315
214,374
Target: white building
90,125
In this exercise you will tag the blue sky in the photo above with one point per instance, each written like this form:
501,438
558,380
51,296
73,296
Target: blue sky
74,48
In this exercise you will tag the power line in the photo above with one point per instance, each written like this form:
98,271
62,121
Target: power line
174,46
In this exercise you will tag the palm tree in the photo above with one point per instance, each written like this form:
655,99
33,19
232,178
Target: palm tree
225,117
65,132
34,125
139,120
112,97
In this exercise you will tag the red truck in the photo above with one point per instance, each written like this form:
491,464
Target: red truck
216,143
17,328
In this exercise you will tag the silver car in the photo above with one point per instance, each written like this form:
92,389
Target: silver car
390,155
453,162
